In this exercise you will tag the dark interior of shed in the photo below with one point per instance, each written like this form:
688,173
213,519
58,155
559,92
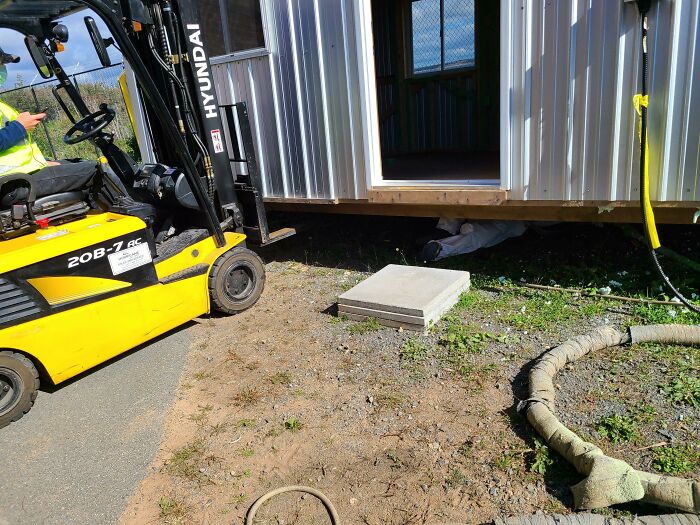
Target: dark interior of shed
437,70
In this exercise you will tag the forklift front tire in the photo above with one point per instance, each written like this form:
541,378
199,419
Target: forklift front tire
19,385
236,281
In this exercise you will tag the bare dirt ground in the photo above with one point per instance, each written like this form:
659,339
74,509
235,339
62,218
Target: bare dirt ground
403,428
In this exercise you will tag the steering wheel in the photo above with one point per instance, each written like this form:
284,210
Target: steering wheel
90,126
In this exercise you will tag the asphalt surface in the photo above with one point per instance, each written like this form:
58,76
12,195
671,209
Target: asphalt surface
79,454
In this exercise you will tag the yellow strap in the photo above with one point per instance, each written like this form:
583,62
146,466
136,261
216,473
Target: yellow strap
641,101
127,99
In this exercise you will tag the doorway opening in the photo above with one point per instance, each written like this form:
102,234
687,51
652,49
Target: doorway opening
437,66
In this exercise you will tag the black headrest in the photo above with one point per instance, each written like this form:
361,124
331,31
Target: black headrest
23,177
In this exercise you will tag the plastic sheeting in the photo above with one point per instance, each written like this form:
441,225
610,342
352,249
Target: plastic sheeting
475,235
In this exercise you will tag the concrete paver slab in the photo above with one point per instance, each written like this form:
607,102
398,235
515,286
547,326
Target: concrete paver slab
421,293
380,314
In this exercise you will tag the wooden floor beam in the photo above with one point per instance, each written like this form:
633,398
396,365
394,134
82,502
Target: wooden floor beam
566,211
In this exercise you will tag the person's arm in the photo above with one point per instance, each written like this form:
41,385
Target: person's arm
11,135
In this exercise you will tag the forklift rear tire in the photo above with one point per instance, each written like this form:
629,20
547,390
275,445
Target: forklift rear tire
236,281
19,385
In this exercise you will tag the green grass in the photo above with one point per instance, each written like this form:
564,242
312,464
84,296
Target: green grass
663,314
217,429
281,378
675,459
684,389
569,255
413,351
184,461
364,327
247,397
478,301
239,499
578,256
245,423
463,338
489,369
643,413
293,424
456,479
470,299
505,461
673,353
616,428
460,341
545,312
542,459
247,452
389,399
171,509
201,415
466,449
394,458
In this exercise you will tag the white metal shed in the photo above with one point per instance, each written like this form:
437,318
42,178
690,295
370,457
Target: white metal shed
536,112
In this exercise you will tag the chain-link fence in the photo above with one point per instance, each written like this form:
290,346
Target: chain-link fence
444,35
96,86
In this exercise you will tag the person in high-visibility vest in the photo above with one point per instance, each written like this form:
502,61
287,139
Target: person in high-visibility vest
20,154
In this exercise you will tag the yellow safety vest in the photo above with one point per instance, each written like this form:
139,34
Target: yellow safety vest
25,157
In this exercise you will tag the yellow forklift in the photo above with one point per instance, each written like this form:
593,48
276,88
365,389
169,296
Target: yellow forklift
87,275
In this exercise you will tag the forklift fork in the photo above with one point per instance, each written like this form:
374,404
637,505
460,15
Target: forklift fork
239,140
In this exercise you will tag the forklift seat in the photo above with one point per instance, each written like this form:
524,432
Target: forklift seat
56,208
58,200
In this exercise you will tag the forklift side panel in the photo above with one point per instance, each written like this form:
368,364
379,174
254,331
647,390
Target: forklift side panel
76,340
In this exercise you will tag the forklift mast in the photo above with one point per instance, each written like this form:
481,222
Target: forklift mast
186,81
174,48
170,41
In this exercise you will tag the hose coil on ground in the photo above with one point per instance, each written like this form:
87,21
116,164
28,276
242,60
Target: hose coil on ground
609,481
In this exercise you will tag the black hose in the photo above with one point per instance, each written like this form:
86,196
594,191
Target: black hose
188,121
644,9
168,60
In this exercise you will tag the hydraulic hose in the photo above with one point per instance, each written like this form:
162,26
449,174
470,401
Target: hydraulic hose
332,513
165,47
188,120
648,220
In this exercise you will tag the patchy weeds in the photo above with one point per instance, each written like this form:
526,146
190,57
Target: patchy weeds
617,428
676,459
405,428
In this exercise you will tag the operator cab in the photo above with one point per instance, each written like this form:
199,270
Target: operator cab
152,192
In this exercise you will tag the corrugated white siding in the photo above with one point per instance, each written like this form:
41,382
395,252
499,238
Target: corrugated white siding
303,100
572,68
575,67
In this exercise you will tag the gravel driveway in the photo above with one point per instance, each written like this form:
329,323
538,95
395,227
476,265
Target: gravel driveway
82,450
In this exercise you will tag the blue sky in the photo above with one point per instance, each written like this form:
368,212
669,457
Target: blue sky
459,32
79,55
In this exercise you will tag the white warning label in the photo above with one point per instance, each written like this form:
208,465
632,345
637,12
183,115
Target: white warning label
217,140
130,258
